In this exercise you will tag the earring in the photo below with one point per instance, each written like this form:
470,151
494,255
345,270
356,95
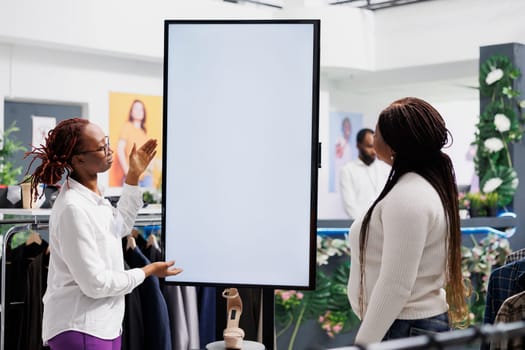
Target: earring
392,157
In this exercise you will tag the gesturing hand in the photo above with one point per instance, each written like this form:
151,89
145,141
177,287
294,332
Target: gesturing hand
139,160
161,269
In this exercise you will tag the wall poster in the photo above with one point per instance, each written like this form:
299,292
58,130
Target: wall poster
134,118
344,127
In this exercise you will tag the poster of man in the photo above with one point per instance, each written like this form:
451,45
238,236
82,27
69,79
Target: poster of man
134,118
343,129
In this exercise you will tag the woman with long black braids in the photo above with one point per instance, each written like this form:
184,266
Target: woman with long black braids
405,276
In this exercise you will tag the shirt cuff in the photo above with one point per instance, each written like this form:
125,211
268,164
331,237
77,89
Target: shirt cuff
138,275
131,188
134,192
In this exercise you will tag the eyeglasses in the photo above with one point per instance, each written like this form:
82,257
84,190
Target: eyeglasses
104,148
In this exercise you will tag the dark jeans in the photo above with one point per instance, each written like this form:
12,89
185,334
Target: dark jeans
411,328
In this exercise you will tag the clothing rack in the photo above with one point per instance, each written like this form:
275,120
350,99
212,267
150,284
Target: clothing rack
23,225
37,223
486,333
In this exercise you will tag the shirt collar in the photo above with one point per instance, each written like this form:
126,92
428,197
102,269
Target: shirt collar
361,163
87,193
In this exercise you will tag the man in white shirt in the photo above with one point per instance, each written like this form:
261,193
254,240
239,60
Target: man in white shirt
362,180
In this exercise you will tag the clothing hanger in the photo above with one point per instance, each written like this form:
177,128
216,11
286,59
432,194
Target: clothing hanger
152,241
131,244
135,233
34,237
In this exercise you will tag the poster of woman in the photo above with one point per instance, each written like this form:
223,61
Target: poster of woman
134,118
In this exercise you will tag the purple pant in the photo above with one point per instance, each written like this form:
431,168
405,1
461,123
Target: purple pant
73,340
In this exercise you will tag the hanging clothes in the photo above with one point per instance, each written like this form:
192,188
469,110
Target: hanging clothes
36,287
153,305
133,324
207,306
16,289
182,306
512,310
504,282
515,256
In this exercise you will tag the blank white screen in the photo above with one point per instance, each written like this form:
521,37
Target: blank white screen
238,149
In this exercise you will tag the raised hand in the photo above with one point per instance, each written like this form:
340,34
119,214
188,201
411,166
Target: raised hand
139,160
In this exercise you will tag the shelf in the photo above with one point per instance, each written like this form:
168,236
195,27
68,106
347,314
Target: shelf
152,209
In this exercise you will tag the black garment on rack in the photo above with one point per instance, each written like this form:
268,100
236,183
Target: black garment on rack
152,253
17,264
206,297
133,325
154,310
36,287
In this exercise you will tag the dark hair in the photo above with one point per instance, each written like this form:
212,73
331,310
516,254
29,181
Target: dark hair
362,133
130,117
60,146
346,120
416,133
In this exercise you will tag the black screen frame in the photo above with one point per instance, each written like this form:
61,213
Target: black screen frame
315,146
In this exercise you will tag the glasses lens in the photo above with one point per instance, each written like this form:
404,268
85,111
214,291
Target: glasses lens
106,146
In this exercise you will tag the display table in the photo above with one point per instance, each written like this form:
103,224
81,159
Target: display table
246,345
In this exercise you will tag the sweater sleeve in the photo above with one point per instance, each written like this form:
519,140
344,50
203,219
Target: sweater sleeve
405,223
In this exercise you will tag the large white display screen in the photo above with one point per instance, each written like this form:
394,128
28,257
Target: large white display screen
240,151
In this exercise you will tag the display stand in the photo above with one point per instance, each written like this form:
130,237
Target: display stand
246,345
268,327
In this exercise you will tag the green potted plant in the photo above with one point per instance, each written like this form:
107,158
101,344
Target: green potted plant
327,305
478,262
492,199
464,205
501,124
478,205
9,174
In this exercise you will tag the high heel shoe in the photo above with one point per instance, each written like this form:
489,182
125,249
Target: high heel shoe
233,335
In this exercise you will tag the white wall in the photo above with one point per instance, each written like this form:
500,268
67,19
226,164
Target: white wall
118,27
5,78
347,35
445,31
63,51
35,74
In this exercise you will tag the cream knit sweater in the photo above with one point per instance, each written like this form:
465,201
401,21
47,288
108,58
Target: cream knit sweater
405,259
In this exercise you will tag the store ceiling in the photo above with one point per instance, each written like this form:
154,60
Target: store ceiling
366,4
454,80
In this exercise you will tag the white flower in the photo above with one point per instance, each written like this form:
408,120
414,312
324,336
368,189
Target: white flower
501,122
322,259
522,104
492,184
493,144
515,182
494,76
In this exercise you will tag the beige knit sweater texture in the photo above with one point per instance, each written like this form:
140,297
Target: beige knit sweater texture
405,259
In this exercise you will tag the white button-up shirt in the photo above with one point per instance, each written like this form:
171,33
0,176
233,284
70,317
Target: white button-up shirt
87,282
361,184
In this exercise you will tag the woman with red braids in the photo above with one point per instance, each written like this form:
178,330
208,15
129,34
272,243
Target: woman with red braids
84,300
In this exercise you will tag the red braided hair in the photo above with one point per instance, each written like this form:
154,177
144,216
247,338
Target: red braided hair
61,143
